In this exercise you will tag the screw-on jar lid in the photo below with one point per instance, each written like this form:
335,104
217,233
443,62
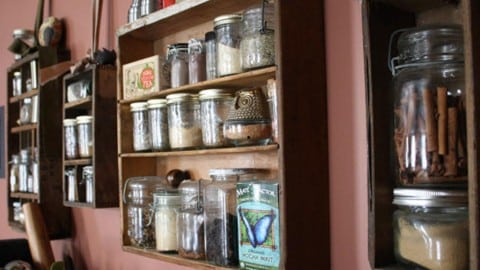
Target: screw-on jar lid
138,106
226,19
17,73
214,93
84,119
69,122
172,98
156,103
430,197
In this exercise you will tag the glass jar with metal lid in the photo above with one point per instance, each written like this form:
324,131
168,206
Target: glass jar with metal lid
70,137
431,228
214,105
184,121
178,57
196,61
84,132
158,123
138,197
257,48
166,204
227,30
140,127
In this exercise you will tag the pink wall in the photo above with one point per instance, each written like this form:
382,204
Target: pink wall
96,241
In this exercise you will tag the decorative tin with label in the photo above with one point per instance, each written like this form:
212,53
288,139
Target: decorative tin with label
258,225
141,77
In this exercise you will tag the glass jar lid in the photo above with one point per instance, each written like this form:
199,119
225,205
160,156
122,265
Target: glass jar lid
214,93
138,106
172,98
84,119
430,197
142,187
69,122
156,103
227,19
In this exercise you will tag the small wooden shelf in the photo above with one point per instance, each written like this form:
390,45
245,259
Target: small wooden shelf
19,63
84,103
245,79
173,258
28,94
23,128
78,162
213,151
24,195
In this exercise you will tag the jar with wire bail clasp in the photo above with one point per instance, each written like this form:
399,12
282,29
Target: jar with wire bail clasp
431,228
429,107
84,133
178,57
70,138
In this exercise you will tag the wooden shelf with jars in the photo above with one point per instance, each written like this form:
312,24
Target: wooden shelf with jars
298,159
33,130
381,19
90,172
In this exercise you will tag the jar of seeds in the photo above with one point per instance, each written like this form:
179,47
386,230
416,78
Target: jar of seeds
140,126
184,121
215,105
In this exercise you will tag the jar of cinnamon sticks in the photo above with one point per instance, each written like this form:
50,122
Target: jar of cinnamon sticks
429,108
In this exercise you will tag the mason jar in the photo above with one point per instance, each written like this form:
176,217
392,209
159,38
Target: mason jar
70,137
166,204
178,56
196,61
214,105
227,30
85,139
140,127
158,123
184,121
138,197
257,47
431,228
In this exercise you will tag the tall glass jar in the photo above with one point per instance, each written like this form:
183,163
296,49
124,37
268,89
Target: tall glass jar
257,48
215,105
71,179
178,56
23,170
184,121
431,228
138,197
17,84
166,205
227,30
211,55
70,137
87,178
85,139
140,127
196,61
158,123
13,177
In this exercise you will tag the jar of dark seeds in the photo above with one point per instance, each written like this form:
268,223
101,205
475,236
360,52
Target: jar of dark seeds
215,105
140,128
158,123
196,61
178,55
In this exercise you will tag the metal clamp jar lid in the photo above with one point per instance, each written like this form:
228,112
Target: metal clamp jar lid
430,197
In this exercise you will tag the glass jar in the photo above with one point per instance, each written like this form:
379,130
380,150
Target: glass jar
17,84
26,111
166,206
85,139
211,55
227,30
71,150
184,121
141,132
214,106
178,56
13,177
196,61
431,228
87,178
23,170
72,191
191,193
158,123
257,48
138,196
35,170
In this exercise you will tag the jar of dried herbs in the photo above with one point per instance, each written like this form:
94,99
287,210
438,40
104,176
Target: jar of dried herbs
431,228
227,30
429,107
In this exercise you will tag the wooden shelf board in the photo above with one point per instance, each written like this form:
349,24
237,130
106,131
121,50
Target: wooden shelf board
245,79
23,61
76,162
78,204
79,104
24,195
173,258
27,94
415,5
22,128
214,151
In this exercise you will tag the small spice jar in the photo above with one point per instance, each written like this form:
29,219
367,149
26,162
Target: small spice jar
431,228
70,137
23,170
184,121
211,55
17,84
140,127
13,177
26,111
84,132
138,196
71,179
196,61
214,105
178,56
166,204
87,178
227,30
257,48
158,123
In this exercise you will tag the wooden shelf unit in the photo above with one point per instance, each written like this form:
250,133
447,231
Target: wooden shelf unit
101,104
299,161
380,19
43,135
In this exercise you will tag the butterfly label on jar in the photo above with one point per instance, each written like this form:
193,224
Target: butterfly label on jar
258,225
